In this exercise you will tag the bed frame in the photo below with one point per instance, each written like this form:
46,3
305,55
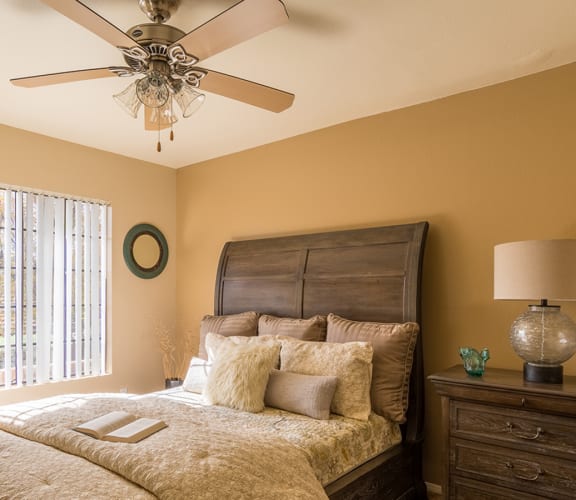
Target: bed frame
364,274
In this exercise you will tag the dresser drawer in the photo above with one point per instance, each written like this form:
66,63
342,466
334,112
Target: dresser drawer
531,473
508,388
468,489
526,430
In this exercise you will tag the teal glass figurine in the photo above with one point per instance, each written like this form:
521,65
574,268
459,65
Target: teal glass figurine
474,361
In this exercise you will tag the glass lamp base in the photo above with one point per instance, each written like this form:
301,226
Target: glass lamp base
543,374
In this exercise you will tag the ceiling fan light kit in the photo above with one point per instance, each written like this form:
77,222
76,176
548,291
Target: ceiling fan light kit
165,57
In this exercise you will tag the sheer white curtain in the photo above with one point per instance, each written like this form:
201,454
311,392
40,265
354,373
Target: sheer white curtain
53,263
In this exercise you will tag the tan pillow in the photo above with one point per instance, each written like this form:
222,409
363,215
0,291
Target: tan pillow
313,328
239,376
240,325
351,363
393,345
309,395
197,375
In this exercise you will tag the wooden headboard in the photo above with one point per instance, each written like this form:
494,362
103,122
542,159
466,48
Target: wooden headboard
364,274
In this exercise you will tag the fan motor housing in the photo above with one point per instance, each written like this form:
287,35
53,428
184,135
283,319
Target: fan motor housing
148,33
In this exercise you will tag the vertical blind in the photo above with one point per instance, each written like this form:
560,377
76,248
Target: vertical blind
53,273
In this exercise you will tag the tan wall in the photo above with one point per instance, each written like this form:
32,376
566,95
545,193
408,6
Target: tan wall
485,167
139,192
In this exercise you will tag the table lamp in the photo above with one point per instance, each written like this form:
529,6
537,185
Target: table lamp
542,270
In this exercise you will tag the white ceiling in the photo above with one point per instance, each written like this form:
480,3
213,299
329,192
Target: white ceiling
343,59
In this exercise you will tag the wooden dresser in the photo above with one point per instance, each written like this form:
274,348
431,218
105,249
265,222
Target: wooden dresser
505,438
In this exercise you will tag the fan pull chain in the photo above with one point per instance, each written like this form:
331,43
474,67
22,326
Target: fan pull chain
171,122
159,145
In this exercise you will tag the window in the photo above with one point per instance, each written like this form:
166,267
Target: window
53,273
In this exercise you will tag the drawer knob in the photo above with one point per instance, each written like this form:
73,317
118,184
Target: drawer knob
522,435
527,471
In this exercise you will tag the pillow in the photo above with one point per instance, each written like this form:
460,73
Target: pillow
309,395
351,363
242,324
197,375
214,342
313,328
393,345
239,376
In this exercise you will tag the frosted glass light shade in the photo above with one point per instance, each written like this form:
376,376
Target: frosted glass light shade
128,100
159,118
188,100
152,90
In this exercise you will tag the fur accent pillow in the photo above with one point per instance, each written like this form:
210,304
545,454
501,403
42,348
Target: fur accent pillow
215,341
313,328
309,395
197,375
351,363
393,345
239,325
239,376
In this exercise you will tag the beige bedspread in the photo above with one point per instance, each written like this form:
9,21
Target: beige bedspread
333,447
197,456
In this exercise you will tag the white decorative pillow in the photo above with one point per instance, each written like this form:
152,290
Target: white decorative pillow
214,342
239,376
197,375
309,395
351,363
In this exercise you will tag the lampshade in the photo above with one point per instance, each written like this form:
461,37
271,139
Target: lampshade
128,100
159,118
152,90
535,269
188,100
544,270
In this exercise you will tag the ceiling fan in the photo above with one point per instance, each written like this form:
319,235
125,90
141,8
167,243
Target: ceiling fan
165,57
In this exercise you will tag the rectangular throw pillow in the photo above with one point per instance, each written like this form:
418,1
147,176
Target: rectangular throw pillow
239,325
313,328
239,376
197,375
309,395
393,345
351,363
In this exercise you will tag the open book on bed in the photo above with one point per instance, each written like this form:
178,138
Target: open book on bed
120,426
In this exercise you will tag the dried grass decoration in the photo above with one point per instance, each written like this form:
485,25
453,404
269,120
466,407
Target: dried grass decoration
176,353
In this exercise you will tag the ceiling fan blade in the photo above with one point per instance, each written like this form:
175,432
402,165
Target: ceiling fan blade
92,21
65,77
240,22
246,91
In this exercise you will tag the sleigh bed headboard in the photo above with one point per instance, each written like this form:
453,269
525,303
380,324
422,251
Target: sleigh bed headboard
369,274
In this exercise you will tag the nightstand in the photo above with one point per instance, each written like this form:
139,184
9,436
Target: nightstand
505,438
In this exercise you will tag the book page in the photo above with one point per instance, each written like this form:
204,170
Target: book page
135,431
100,426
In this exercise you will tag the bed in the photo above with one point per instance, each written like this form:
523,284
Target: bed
356,280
